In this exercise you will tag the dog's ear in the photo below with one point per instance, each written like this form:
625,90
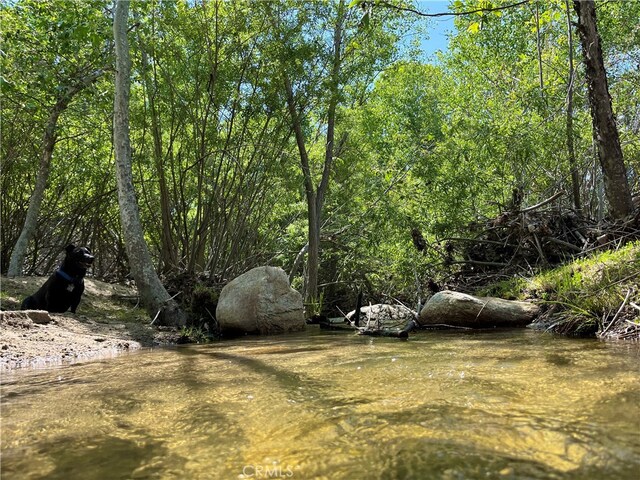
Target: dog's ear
70,248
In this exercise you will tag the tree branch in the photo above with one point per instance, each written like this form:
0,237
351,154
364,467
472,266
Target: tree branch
442,14
544,202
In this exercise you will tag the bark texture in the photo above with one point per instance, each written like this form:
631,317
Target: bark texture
604,125
153,295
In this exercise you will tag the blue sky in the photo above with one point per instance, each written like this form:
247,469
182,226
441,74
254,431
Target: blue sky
438,27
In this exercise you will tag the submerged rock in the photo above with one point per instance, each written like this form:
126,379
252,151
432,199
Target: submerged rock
456,309
260,301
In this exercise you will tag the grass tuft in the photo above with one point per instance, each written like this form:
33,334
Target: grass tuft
598,294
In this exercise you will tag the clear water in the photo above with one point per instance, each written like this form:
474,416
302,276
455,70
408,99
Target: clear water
503,404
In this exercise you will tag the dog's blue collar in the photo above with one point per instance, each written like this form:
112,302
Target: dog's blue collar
65,275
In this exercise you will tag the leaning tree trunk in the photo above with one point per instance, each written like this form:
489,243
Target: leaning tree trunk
152,293
16,263
604,124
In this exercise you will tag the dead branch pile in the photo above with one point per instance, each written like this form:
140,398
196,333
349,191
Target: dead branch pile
536,236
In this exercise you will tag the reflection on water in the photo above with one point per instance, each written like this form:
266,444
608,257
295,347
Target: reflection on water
513,404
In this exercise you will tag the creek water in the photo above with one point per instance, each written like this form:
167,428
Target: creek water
500,404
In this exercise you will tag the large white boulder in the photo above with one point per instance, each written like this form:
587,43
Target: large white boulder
260,301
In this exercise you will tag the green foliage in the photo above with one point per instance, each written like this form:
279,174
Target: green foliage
315,307
511,289
584,291
432,147
594,284
193,334
47,48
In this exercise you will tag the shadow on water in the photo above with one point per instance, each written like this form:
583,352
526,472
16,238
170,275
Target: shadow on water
505,405
294,384
418,458
432,459
37,386
100,457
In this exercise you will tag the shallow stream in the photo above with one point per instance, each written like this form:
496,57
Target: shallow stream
500,404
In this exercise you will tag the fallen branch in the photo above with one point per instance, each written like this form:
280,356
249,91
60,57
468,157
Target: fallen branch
473,240
544,202
434,326
570,246
481,263
615,317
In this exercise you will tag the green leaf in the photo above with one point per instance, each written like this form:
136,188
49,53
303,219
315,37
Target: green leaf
473,27
364,21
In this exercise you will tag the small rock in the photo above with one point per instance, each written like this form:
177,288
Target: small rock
39,316
383,316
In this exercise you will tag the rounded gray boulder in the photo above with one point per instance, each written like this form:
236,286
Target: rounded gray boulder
260,301
456,309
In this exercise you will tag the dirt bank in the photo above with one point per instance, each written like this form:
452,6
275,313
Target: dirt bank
108,322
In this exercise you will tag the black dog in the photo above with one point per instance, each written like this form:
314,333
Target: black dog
64,288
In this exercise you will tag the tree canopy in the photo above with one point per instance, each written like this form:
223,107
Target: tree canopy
245,116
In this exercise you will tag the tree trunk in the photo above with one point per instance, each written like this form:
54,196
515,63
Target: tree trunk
167,245
16,263
604,125
312,214
298,261
315,197
575,177
152,293
539,48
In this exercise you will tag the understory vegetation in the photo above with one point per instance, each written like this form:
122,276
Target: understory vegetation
592,295
251,122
